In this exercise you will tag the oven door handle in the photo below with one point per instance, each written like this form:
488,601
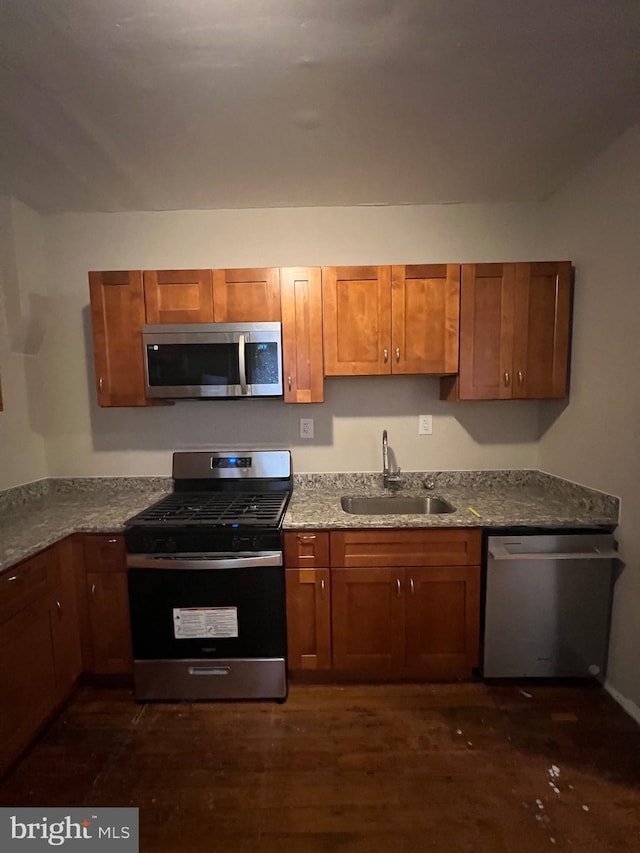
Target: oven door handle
221,561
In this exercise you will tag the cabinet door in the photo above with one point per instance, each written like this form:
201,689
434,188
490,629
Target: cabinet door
442,621
486,331
246,295
367,607
178,296
27,671
117,317
357,320
65,621
27,685
108,604
301,302
110,628
425,307
542,330
308,619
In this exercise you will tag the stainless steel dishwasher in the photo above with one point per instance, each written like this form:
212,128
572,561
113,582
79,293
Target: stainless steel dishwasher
548,605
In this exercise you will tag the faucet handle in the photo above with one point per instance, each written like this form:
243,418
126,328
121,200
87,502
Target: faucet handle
429,484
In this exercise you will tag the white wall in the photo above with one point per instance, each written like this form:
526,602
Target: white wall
593,439
595,220
23,319
85,440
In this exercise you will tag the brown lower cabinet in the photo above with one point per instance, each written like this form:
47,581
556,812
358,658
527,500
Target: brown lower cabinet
39,647
63,612
108,650
308,588
403,603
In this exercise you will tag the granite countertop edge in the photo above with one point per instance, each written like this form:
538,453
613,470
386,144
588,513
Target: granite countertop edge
38,515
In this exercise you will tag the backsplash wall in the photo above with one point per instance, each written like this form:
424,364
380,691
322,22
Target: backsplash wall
83,440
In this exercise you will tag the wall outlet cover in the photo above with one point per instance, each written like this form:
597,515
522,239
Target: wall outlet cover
425,424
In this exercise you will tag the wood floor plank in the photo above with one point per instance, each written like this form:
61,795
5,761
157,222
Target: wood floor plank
342,769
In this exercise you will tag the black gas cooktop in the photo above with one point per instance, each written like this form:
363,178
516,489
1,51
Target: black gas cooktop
222,500
220,509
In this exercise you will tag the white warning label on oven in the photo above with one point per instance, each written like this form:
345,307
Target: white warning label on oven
191,623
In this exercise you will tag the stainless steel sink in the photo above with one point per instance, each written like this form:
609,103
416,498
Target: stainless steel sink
394,505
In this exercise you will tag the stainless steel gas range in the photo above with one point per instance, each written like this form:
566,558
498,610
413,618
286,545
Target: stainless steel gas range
206,580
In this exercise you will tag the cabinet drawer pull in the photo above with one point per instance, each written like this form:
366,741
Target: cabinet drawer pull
307,537
385,353
507,379
398,586
397,354
112,541
520,377
411,586
13,578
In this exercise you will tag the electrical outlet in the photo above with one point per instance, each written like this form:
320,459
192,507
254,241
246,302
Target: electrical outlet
306,427
425,424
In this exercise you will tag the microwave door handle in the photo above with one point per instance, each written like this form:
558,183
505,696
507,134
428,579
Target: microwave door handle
242,364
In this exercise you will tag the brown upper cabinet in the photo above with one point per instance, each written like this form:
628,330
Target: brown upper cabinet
515,323
212,296
400,319
301,301
246,295
178,296
123,301
117,317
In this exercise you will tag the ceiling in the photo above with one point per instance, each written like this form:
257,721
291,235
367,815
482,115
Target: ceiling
111,105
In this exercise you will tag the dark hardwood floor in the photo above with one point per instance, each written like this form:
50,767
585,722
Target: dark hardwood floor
352,769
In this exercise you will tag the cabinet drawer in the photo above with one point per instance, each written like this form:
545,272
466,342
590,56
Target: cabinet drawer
27,582
306,550
369,548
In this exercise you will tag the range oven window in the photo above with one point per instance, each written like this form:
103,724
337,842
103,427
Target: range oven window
256,594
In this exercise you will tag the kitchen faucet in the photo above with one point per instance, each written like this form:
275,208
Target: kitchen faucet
391,480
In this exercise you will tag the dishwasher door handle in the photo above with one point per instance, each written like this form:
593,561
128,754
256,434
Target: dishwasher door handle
499,552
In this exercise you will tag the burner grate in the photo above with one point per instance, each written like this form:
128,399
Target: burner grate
203,508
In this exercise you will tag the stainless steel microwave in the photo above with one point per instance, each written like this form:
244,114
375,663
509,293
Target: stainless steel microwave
213,360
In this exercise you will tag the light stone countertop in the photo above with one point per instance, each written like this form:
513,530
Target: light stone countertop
35,516
38,515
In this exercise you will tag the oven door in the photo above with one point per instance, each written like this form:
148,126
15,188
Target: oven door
208,626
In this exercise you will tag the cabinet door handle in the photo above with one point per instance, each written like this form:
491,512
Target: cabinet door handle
93,589
100,383
289,382
520,377
398,586
385,353
507,379
322,587
59,606
397,354
411,586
